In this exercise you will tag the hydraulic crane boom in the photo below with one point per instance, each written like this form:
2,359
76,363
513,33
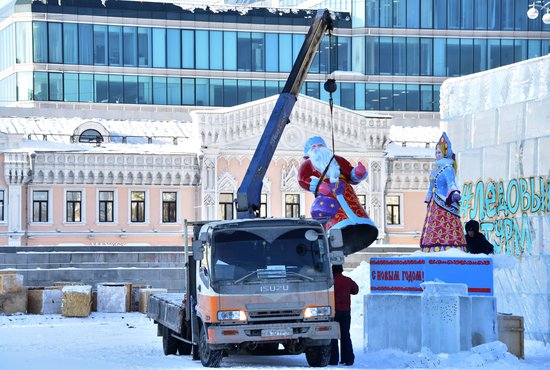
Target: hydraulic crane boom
248,195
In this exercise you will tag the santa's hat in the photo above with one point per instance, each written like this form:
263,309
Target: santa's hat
312,141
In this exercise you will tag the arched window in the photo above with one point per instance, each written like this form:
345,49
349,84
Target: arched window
90,136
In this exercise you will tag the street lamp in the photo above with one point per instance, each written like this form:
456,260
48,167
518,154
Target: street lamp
533,12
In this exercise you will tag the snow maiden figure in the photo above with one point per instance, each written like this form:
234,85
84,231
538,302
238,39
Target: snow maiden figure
442,227
336,205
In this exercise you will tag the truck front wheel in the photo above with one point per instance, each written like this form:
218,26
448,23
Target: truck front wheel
318,356
209,357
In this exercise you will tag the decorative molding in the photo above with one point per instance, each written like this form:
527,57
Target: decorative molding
408,174
103,168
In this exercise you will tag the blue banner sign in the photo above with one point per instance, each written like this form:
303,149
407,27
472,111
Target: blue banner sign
405,274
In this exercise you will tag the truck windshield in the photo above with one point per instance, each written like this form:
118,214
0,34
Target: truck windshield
244,255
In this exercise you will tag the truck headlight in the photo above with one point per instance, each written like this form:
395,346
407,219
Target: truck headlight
313,312
236,315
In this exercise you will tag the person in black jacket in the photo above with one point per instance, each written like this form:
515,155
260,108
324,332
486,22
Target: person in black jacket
476,240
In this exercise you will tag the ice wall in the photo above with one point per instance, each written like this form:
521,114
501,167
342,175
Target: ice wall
498,122
522,287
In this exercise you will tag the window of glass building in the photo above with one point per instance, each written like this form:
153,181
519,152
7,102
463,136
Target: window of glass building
413,97
100,45
101,88
399,97
344,53
130,89
188,91
144,47
2,206
243,51
115,89
24,86
56,87
85,87
85,42
73,208
243,91
188,49
230,50
426,97
40,42
257,90
453,57
173,52
292,205
137,206
372,97
173,91
23,42
412,56
145,90
216,52
466,56
115,46
169,206
399,56
257,52
226,206
159,47
271,52
216,91
55,54
426,60
285,59
393,213
70,43
40,86
159,90
201,92
40,206
202,49
130,46
106,206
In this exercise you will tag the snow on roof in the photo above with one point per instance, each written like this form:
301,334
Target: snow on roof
417,142
47,134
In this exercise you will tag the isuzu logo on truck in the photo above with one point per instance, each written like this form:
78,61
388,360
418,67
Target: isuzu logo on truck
274,288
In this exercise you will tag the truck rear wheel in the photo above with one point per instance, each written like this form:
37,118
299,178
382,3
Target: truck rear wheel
209,357
318,356
169,343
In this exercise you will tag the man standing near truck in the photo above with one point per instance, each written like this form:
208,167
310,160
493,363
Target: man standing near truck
344,287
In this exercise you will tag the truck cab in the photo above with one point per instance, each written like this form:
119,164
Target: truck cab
264,286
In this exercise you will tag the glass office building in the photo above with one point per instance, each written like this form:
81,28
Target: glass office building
390,55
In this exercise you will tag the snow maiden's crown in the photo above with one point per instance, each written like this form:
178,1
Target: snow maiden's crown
444,144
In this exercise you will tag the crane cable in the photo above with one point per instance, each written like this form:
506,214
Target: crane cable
330,87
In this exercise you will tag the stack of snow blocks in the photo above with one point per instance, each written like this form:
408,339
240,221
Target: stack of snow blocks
114,297
44,300
13,295
443,304
76,300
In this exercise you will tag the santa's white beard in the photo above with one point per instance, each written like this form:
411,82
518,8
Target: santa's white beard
320,156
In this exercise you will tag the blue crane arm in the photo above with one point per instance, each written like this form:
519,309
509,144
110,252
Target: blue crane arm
248,195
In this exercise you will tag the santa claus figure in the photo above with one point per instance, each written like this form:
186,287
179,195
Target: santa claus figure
336,205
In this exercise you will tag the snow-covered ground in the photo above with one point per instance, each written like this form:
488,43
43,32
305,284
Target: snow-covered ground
115,341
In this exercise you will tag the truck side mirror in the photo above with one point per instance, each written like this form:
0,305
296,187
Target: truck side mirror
336,244
335,239
197,250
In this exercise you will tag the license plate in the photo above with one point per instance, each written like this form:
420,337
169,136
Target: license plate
276,332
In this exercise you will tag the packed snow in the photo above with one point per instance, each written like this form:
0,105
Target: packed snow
120,341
